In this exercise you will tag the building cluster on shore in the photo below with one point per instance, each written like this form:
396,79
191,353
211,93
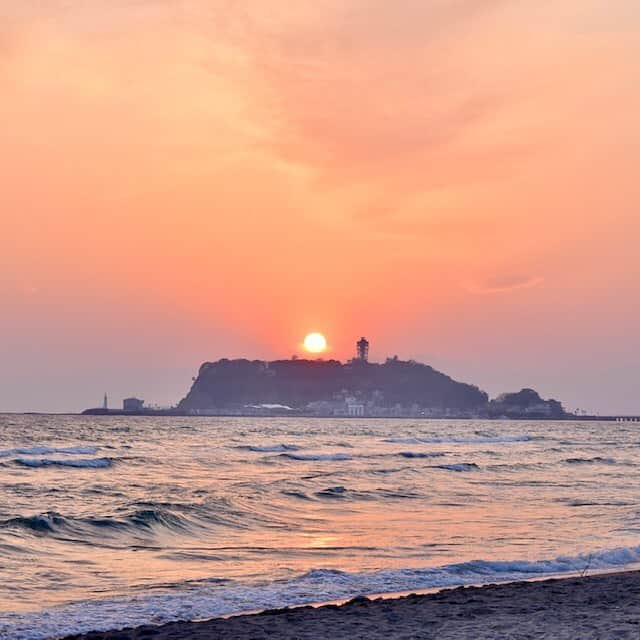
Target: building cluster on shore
349,406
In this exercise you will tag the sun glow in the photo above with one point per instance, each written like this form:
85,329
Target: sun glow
315,343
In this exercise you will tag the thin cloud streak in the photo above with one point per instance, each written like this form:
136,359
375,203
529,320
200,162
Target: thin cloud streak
504,285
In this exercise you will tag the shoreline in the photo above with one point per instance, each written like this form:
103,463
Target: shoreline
600,606
172,414
396,595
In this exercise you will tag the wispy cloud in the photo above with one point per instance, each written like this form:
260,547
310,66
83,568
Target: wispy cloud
360,90
504,284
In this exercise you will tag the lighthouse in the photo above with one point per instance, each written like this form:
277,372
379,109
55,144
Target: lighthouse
362,350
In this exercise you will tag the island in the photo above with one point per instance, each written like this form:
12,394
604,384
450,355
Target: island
330,388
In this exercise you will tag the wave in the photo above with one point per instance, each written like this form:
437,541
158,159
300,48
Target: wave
461,466
592,503
332,492
55,523
83,463
308,457
595,460
341,492
452,440
275,448
43,451
419,454
348,456
101,532
142,521
300,495
40,523
593,443
519,466
318,585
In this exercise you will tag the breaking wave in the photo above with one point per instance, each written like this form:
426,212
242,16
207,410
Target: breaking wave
214,599
83,463
142,520
85,528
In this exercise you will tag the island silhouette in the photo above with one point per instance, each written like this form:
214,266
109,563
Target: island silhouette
330,388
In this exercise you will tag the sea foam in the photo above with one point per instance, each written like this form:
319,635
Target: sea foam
317,585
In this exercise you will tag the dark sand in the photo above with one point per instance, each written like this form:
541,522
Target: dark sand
606,607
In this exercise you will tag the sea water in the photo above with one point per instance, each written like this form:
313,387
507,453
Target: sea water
116,521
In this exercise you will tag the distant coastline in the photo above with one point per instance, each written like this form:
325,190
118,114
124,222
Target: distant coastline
358,388
569,417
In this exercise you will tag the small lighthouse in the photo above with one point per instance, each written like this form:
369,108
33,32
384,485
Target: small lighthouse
362,350
105,404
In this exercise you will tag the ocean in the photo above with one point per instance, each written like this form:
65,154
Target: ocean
117,521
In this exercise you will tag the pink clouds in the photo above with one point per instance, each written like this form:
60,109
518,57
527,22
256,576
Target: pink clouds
331,163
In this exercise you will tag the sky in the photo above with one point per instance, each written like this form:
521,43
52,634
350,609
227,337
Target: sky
185,180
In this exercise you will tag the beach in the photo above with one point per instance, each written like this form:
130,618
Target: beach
118,522
599,607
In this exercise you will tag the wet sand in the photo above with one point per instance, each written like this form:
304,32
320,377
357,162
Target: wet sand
602,607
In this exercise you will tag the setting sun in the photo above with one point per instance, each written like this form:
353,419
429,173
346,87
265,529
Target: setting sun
315,343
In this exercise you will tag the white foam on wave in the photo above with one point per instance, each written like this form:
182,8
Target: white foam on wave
274,448
45,450
445,440
318,585
92,463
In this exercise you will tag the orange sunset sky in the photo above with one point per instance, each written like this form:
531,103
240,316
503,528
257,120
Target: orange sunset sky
184,180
